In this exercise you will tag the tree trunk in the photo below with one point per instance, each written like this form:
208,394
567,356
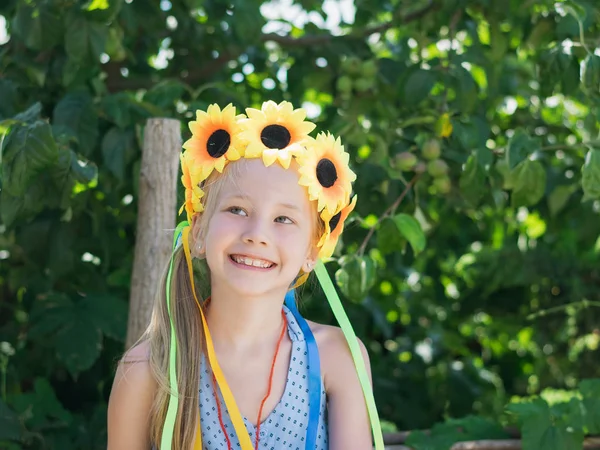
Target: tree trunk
156,219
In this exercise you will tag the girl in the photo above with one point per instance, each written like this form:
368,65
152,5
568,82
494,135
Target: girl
224,363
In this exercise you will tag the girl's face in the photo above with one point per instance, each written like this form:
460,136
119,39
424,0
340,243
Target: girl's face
261,232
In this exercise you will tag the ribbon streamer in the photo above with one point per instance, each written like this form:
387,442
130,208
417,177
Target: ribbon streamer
314,373
363,377
166,439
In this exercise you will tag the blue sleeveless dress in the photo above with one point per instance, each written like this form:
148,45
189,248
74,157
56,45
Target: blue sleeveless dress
285,427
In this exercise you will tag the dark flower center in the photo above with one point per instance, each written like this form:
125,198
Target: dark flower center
218,143
326,173
275,136
334,222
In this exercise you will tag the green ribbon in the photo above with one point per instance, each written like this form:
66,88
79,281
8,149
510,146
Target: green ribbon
166,439
359,362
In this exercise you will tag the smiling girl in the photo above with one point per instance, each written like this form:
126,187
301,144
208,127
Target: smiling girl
236,367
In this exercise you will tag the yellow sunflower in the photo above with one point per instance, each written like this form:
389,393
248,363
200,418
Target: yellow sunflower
193,194
334,225
325,172
215,139
276,132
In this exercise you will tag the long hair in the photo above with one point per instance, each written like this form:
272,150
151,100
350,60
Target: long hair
188,326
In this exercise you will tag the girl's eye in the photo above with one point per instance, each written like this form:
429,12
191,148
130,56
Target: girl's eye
284,219
237,211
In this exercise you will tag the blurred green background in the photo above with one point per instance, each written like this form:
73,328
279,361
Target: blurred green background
469,268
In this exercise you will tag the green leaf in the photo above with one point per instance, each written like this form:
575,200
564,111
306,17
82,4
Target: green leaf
389,239
472,180
114,148
76,112
61,257
476,427
28,25
529,183
31,114
466,89
77,37
84,172
11,207
418,85
590,175
30,150
569,81
540,429
75,329
591,74
47,315
42,406
411,229
418,440
249,29
109,313
166,93
556,66
444,435
98,35
356,276
116,108
559,197
8,94
9,423
472,133
78,344
590,391
520,147
97,4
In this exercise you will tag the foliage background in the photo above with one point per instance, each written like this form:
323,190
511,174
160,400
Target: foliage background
471,288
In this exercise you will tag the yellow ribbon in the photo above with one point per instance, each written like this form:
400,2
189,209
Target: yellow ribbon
230,404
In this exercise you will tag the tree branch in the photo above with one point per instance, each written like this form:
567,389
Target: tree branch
115,82
386,213
309,40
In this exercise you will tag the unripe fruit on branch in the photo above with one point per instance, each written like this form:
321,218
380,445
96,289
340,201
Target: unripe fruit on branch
437,168
344,84
421,167
352,65
369,68
363,84
431,149
442,184
405,161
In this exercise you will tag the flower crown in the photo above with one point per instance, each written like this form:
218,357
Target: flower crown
275,133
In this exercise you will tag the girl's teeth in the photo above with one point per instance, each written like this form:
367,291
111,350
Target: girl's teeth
252,262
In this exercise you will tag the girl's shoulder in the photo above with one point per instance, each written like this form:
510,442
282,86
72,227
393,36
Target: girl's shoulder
345,399
336,360
131,400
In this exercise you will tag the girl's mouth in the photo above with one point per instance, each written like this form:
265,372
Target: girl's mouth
251,262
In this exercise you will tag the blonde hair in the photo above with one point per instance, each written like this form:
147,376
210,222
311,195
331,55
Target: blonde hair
188,326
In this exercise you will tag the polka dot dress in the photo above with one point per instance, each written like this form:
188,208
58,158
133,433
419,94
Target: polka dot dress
285,427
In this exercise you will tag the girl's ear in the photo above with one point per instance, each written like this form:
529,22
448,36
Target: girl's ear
311,260
197,247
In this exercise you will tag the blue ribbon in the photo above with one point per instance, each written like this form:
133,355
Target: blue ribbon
314,372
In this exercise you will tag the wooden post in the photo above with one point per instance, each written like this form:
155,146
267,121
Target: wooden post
157,210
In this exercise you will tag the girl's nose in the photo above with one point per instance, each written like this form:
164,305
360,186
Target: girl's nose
255,233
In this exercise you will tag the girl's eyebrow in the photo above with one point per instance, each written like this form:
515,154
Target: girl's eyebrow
237,197
244,197
289,206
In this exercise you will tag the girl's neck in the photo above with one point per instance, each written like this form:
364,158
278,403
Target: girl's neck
243,323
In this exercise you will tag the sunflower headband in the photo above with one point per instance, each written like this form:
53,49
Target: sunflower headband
277,133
